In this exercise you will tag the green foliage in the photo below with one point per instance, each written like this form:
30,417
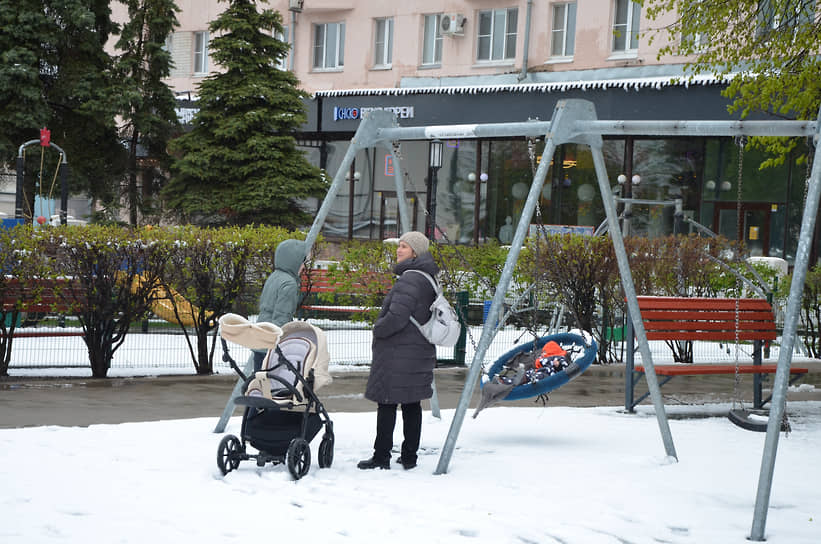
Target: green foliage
767,50
473,269
583,272
22,264
239,163
363,277
146,102
117,272
208,269
810,313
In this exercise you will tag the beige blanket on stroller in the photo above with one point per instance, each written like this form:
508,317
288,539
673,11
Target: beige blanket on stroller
304,345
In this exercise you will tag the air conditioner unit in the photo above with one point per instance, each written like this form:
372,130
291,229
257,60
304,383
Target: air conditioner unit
452,24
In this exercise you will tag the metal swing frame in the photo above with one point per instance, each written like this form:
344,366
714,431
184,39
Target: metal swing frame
575,121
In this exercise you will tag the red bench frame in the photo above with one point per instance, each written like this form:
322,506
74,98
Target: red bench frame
711,319
318,280
40,296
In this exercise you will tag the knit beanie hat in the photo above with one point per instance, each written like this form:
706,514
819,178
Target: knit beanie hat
417,241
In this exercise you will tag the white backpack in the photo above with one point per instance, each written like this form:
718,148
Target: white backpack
443,327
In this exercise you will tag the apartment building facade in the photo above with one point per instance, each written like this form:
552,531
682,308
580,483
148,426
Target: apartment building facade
483,61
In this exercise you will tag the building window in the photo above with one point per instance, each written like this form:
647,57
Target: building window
329,46
788,16
383,43
432,40
283,63
497,34
563,32
695,16
626,26
200,53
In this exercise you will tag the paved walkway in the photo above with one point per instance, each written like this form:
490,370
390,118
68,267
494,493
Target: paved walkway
83,401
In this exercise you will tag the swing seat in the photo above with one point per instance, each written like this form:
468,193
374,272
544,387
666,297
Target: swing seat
753,420
582,351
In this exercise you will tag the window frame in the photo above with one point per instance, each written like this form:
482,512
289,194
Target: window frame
567,31
627,30
200,57
383,50
339,47
284,36
431,52
698,41
495,35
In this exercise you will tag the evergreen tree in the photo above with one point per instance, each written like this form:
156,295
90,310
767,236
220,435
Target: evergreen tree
56,73
148,102
23,109
239,163
768,49
82,91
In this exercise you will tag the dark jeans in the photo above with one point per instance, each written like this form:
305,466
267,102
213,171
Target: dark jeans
258,358
411,427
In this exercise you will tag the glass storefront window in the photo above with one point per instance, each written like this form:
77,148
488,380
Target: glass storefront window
495,176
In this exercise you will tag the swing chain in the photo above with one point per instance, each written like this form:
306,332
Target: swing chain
741,141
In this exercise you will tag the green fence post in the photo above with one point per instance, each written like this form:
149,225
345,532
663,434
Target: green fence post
460,350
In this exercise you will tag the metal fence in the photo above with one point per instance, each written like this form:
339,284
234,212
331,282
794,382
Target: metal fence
164,350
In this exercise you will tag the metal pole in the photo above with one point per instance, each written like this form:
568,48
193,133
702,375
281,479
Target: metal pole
351,189
782,374
401,198
489,330
18,197
365,137
229,407
632,303
63,192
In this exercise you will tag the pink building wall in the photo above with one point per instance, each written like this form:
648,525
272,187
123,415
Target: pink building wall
593,41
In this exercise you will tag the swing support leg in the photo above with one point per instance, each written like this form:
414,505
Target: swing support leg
782,375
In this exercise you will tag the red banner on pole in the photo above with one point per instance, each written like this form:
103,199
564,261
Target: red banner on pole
45,137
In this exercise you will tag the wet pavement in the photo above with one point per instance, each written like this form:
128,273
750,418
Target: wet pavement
27,401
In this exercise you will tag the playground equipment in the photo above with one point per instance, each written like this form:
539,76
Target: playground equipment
169,304
574,121
62,171
579,349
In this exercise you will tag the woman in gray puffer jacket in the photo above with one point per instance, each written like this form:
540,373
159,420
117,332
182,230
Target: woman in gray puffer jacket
403,360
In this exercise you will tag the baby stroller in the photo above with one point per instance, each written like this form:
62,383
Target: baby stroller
282,412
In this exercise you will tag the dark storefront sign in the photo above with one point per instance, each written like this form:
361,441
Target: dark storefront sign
700,102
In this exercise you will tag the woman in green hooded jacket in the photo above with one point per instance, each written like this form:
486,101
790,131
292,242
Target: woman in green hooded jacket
281,294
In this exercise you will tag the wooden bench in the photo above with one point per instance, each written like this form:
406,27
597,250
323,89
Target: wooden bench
41,296
318,281
725,320
45,296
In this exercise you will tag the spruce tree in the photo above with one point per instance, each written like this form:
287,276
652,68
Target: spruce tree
239,162
82,93
147,106
56,73
23,109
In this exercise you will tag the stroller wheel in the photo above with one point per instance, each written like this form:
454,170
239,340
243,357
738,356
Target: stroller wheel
229,454
299,457
326,451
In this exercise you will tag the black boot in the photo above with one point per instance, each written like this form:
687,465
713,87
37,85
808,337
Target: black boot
406,464
374,463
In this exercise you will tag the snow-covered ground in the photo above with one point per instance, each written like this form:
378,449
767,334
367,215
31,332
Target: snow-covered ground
517,475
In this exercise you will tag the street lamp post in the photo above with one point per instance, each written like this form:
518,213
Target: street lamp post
435,163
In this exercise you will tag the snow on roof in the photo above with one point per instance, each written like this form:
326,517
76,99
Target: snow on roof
627,84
